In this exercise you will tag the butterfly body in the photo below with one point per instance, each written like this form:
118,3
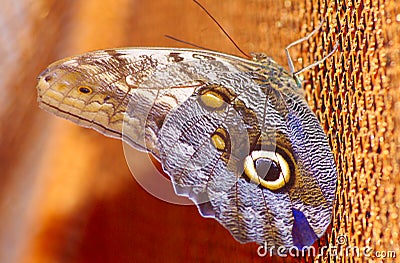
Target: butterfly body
236,136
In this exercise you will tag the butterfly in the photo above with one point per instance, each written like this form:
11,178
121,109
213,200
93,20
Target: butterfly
236,136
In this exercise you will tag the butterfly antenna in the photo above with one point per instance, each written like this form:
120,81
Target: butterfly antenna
188,43
223,30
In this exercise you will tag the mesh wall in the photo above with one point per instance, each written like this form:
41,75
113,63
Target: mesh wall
355,95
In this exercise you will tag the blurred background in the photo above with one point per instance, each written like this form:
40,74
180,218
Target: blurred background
66,193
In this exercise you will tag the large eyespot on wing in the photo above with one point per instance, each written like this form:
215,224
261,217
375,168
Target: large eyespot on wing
270,169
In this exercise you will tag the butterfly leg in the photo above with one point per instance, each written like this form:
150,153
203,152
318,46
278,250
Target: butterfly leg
290,61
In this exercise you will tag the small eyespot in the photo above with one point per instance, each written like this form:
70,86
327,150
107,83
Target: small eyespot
85,90
219,139
48,78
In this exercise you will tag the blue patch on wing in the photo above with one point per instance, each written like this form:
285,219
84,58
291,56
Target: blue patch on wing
302,233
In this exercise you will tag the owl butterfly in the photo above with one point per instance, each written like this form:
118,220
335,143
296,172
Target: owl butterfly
236,136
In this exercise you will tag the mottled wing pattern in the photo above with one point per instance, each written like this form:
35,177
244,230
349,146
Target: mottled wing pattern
236,136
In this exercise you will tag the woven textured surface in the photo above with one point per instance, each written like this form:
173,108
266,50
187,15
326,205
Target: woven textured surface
355,96
66,192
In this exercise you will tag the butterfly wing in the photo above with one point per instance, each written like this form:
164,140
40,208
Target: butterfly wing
216,123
